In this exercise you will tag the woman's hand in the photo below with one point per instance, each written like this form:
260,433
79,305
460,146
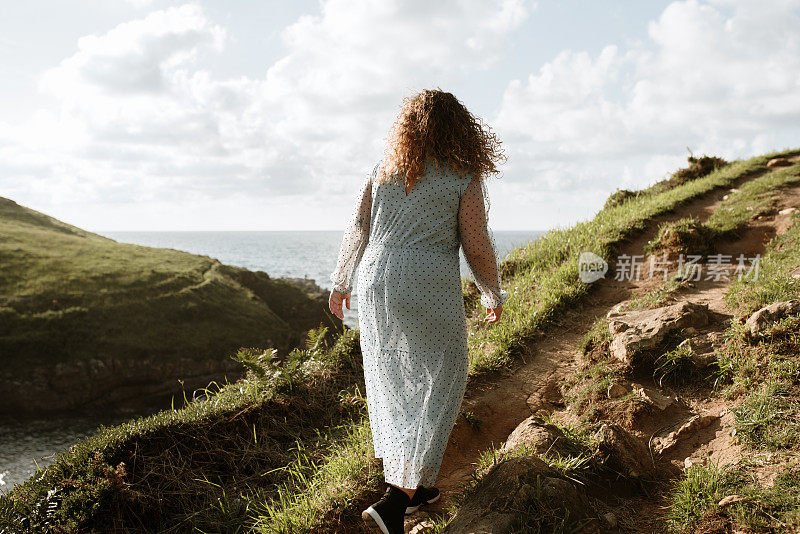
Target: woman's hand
493,314
335,303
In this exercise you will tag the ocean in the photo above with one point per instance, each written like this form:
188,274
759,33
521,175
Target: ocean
24,445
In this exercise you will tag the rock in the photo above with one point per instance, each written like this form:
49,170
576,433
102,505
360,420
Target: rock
617,310
637,331
697,422
787,211
422,526
757,323
539,436
653,396
701,361
610,519
701,349
730,499
624,453
513,489
616,390
778,162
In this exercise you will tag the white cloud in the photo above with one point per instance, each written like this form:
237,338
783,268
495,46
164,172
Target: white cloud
720,77
136,103
139,3
139,117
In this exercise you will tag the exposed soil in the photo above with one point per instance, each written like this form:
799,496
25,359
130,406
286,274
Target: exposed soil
504,399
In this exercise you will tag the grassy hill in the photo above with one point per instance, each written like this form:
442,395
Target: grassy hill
87,320
288,448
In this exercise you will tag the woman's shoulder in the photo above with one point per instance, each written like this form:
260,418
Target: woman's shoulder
447,175
445,169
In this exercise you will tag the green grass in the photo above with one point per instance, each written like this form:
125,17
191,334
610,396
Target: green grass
746,364
774,282
69,297
685,235
204,465
761,376
542,277
326,486
769,418
596,340
674,366
696,497
753,198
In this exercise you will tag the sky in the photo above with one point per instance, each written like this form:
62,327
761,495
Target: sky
268,115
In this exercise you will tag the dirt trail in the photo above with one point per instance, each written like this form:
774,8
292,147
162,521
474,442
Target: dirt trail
502,400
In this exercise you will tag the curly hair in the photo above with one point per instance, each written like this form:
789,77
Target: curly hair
435,125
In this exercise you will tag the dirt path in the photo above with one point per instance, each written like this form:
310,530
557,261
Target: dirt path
502,400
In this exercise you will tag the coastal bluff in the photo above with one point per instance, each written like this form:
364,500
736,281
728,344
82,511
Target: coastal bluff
87,322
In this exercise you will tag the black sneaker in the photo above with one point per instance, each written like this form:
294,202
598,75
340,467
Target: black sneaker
422,496
387,514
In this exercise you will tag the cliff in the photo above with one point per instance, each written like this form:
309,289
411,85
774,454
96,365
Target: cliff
87,321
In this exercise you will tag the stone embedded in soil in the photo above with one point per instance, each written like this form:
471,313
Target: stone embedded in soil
697,422
760,321
730,499
508,494
423,524
702,348
640,331
610,519
701,361
653,396
787,211
616,390
624,452
539,436
778,162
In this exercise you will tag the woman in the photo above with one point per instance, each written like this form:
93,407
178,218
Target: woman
425,199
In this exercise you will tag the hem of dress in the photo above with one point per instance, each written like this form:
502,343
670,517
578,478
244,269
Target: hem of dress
410,479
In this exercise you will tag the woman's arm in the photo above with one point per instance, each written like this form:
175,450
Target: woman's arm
478,246
356,237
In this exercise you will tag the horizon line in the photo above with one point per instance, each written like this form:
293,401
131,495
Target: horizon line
256,230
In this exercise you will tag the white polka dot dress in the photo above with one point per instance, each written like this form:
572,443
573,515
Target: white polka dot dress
411,310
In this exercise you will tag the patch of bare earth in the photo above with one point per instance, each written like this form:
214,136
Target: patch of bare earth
695,427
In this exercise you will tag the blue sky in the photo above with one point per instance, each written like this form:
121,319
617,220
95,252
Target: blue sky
251,115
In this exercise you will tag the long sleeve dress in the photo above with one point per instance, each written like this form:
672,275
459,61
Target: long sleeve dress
411,310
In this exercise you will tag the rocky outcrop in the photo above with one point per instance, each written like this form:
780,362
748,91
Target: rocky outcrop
760,321
778,162
539,437
624,453
653,396
522,494
639,331
695,423
701,348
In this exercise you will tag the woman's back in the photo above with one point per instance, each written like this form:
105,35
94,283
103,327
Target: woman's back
425,218
409,283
